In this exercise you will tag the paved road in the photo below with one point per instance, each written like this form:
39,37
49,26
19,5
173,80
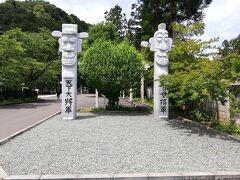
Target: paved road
88,100
14,118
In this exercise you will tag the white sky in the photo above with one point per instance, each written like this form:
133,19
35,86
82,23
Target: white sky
222,17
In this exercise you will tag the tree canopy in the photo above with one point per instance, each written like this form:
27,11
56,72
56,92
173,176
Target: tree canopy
231,46
25,57
118,19
230,59
147,14
111,68
103,31
28,51
193,79
32,15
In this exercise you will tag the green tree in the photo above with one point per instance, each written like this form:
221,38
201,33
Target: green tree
147,14
230,59
48,80
134,25
32,15
111,68
229,47
118,19
193,79
103,31
11,51
28,57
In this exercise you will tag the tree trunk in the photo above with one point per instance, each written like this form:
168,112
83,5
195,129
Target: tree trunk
173,35
112,103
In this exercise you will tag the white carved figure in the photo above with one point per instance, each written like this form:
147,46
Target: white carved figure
160,44
69,44
69,49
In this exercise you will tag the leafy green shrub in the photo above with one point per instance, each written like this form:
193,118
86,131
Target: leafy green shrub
111,68
228,127
200,115
127,108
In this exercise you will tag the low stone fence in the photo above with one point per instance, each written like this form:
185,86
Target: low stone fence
154,176
223,109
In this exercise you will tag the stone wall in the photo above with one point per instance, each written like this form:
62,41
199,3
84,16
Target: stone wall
223,110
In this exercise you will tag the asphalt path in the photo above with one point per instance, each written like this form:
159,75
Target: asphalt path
14,118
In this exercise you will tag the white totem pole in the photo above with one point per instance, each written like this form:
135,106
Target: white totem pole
69,44
160,44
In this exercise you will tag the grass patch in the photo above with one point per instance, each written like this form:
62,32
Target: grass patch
90,109
147,102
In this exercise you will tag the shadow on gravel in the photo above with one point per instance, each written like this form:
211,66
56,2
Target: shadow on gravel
191,128
82,116
121,113
88,115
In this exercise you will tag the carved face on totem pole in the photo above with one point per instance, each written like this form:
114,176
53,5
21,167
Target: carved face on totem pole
69,43
69,48
161,44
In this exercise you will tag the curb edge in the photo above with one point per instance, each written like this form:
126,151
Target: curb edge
3,174
3,141
231,175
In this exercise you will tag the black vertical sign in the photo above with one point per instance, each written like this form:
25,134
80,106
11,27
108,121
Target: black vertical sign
163,101
68,97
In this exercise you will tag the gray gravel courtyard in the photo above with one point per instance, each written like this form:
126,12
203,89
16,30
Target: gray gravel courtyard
118,143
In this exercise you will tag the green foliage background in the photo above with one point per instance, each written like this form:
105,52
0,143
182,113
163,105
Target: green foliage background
28,59
193,79
28,52
32,15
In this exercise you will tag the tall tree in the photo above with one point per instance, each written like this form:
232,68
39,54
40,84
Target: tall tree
231,46
149,13
118,19
134,25
103,31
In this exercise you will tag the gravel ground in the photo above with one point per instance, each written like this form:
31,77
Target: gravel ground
118,143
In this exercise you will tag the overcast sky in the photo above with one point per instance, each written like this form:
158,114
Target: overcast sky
222,17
